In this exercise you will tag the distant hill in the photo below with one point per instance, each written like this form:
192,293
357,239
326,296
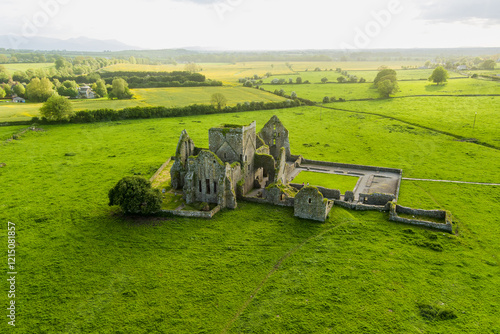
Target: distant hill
72,44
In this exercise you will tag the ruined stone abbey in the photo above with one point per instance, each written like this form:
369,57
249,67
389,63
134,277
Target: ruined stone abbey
259,167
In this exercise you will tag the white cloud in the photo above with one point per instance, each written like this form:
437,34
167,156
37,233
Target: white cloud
262,24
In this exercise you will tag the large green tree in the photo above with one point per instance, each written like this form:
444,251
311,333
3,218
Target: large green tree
39,90
439,75
19,90
2,93
56,108
99,88
384,73
488,65
135,195
68,88
120,90
387,87
4,74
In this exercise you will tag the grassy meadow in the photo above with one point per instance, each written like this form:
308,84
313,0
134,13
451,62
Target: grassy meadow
332,181
26,66
85,268
145,97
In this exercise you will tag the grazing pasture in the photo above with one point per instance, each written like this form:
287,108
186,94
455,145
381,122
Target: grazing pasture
85,268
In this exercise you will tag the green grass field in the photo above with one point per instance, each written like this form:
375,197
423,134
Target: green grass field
26,66
147,97
189,275
369,75
451,114
230,73
331,181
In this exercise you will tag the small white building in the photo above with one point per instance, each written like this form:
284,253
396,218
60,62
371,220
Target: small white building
18,99
85,92
462,68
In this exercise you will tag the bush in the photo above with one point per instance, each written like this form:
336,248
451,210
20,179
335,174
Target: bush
326,99
135,195
57,108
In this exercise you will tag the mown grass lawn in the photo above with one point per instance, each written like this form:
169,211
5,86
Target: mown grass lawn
331,181
84,268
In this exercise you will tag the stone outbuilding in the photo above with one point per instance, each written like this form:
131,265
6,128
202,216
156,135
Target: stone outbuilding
310,204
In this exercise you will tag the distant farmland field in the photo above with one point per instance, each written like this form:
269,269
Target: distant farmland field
168,97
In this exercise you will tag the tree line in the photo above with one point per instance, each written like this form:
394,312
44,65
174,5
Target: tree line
101,115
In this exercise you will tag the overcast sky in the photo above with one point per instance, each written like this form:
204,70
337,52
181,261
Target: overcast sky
261,24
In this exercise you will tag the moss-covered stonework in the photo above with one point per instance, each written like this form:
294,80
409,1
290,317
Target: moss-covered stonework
310,204
241,164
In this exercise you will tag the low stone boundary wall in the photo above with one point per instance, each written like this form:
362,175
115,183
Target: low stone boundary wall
194,214
362,207
160,170
360,167
289,202
376,199
438,214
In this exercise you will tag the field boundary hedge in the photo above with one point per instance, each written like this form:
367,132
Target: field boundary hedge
103,115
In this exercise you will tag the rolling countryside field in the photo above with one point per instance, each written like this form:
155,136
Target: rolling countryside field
147,97
84,267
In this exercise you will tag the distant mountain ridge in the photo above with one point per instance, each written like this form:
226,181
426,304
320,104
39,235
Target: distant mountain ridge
73,44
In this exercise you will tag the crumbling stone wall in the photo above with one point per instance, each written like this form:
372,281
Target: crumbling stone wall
185,149
275,135
208,180
328,193
310,204
376,198
235,143
281,168
447,224
267,163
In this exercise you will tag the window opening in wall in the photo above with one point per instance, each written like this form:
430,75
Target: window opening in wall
200,185
208,186
241,157
225,156
215,187
310,201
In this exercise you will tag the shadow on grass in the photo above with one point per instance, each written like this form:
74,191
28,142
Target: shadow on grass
434,88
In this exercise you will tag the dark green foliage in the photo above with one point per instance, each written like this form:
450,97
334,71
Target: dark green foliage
19,90
432,313
68,88
160,79
135,195
387,87
57,108
120,90
99,87
99,115
39,90
439,75
488,65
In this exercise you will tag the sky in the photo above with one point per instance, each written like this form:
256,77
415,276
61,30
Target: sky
261,24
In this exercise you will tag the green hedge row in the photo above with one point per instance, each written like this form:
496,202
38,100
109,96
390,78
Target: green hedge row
101,115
